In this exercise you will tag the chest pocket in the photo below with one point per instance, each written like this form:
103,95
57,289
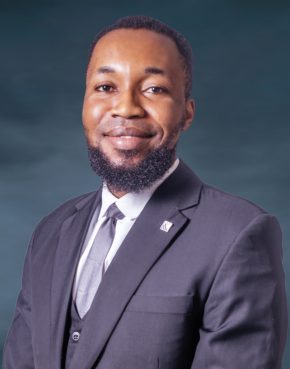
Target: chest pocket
161,304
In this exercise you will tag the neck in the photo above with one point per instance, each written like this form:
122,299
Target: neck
117,193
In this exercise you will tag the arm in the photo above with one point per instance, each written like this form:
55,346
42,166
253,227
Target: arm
18,351
245,318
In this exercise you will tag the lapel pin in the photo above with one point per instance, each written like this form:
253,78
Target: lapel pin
166,225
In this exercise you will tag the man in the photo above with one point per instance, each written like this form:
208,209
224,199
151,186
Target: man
182,275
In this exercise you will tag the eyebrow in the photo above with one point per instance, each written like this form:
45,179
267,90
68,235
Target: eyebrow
106,69
154,70
148,70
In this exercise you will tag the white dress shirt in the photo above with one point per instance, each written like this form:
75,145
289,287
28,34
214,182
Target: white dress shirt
131,206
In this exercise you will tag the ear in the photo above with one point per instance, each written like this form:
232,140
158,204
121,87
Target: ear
189,113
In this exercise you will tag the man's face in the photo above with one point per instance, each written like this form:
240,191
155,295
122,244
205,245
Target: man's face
135,96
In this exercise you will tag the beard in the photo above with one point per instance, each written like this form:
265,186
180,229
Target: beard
134,178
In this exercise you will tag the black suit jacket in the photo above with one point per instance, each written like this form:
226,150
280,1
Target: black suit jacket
207,294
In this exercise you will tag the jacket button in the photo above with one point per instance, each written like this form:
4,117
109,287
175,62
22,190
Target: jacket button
75,336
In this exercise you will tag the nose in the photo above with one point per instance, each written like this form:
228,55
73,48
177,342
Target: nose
128,106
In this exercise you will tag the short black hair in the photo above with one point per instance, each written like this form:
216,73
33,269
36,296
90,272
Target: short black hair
145,22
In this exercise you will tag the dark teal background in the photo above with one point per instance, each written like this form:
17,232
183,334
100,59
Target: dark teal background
240,139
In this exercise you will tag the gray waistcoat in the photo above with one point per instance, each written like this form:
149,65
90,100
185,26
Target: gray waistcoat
74,332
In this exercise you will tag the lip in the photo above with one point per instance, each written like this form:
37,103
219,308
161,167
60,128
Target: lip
128,138
128,142
128,132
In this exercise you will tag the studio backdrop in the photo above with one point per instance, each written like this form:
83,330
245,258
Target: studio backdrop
239,140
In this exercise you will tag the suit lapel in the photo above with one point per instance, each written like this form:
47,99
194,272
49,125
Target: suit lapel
71,238
142,247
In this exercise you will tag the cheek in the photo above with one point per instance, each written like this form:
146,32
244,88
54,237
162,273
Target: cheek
91,112
93,115
168,119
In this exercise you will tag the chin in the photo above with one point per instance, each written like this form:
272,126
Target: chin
126,158
129,171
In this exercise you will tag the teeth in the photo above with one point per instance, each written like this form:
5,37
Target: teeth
128,136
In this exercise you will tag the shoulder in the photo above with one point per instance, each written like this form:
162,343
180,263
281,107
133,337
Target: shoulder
63,211
218,200
227,216
213,201
221,213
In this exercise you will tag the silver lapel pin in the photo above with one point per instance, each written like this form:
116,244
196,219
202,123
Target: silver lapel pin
166,225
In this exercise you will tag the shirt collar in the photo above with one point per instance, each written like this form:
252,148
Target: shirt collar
133,203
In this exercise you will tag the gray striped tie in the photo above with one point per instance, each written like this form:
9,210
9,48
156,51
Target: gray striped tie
93,269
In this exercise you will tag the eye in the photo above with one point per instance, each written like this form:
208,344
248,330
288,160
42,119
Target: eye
104,88
156,90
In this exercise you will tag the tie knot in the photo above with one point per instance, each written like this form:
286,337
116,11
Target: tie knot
114,212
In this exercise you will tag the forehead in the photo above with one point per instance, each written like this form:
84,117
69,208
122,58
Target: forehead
137,48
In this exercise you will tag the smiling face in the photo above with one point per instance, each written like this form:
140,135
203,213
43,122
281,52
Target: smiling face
135,96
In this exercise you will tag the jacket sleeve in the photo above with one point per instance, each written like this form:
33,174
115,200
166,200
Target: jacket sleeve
18,350
245,316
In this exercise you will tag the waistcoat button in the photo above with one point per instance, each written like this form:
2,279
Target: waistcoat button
75,336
